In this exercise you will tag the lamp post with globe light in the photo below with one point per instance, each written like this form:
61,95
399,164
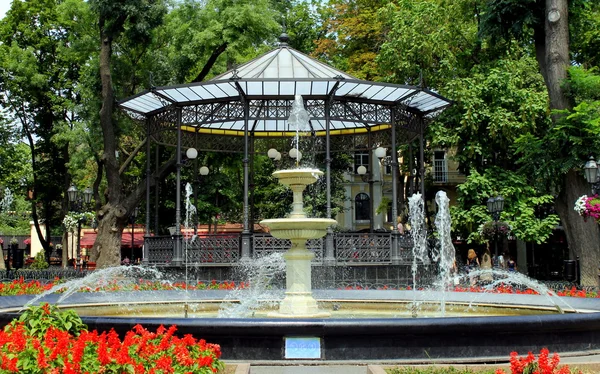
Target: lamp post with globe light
495,206
78,201
202,173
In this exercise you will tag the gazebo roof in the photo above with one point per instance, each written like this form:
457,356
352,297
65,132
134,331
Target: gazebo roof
281,74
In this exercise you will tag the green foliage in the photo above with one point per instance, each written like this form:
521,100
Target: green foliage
38,81
14,223
521,208
437,41
39,262
565,145
351,36
235,29
37,320
584,35
493,107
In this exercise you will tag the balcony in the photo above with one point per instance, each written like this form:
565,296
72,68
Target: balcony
448,177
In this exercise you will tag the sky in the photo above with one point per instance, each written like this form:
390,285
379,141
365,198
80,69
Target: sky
4,7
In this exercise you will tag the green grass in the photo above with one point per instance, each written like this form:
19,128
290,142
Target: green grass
437,370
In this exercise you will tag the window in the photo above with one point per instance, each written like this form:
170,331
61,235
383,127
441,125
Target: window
440,167
361,158
362,207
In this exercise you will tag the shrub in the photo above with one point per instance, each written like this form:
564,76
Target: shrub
39,262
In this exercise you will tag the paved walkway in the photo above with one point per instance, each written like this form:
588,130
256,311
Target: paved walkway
590,362
344,369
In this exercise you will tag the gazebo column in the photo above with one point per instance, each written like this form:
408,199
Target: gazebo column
178,255
329,258
395,254
148,176
156,186
246,234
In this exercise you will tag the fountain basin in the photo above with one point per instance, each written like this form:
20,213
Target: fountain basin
302,177
298,228
361,337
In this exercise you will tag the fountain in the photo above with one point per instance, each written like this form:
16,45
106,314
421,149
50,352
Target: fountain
333,324
298,301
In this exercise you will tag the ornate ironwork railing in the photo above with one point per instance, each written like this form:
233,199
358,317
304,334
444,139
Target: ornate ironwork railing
161,249
213,249
362,248
225,249
265,244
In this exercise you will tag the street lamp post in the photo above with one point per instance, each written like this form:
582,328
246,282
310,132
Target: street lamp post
77,201
495,206
202,172
591,174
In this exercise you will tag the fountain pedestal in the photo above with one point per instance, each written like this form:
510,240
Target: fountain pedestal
298,301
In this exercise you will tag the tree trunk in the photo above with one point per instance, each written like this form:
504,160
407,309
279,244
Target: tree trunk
557,51
112,217
107,247
583,237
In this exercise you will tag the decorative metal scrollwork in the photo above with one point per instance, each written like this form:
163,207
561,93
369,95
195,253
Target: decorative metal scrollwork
363,248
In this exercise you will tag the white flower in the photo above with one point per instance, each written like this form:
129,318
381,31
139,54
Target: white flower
72,219
580,205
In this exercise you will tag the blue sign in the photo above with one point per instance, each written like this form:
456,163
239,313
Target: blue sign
303,347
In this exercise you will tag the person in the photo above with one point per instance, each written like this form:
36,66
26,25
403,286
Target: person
486,264
511,264
125,261
499,261
400,226
472,264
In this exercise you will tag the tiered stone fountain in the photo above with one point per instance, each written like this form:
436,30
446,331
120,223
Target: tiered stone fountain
298,301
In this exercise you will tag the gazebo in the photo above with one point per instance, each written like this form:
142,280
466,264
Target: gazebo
251,103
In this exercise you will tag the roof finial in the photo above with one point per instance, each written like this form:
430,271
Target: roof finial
283,38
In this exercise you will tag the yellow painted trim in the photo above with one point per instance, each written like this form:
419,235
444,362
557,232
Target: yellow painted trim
284,134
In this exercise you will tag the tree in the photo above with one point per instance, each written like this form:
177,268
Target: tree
546,25
133,19
202,32
351,37
38,81
216,26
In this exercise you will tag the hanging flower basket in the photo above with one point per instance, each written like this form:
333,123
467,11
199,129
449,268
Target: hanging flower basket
588,206
489,229
72,219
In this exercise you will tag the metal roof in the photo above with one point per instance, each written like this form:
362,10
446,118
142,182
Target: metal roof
280,75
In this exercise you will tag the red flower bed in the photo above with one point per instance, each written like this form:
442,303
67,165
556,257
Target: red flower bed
571,292
529,365
46,340
20,287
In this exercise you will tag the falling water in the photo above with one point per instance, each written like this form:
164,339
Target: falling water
418,232
507,278
98,279
260,273
298,120
190,212
445,255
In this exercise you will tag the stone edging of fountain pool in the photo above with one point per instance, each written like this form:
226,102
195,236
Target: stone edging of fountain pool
419,339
